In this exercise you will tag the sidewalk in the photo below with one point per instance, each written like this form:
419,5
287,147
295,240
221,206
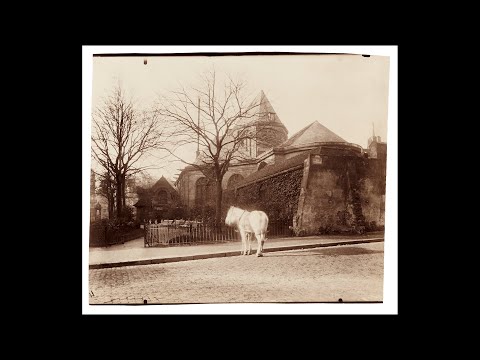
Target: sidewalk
133,253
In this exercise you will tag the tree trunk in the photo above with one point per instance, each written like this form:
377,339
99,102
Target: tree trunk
111,206
124,191
218,203
110,201
110,198
119,196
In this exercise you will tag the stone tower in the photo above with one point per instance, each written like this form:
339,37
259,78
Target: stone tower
270,130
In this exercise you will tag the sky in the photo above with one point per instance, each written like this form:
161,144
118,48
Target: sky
348,94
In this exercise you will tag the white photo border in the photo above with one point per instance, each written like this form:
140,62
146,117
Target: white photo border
390,288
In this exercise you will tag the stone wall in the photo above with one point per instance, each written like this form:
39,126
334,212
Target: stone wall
342,191
372,192
337,189
323,203
277,196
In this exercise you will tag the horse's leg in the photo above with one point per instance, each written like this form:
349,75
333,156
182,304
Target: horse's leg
249,236
259,244
244,242
263,242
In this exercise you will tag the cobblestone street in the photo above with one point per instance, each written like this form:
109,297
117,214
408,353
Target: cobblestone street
350,272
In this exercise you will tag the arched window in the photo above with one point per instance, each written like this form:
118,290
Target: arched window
162,196
98,211
234,180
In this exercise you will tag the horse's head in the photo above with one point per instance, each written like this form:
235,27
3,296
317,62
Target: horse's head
229,219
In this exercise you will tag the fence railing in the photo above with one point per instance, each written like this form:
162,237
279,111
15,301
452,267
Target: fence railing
181,232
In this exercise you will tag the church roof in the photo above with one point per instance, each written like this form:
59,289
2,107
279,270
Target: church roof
313,133
146,197
163,182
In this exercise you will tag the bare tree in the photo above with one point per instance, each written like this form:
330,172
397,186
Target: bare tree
220,118
144,180
121,136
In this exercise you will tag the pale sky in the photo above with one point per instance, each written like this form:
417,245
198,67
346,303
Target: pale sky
345,93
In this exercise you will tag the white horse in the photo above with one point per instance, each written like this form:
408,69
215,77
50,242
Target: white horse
248,222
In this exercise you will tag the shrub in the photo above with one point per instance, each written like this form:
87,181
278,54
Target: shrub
277,196
325,230
127,215
205,214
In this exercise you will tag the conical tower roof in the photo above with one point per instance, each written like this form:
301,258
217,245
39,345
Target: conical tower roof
265,111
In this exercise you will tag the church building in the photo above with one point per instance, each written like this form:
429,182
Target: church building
194,188
315,181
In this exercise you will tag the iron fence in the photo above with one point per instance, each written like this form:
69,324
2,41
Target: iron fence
182,232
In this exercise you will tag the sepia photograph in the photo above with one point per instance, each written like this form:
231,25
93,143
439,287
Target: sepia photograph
226,176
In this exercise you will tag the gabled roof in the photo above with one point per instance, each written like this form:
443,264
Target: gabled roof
313,133
146,197
163,182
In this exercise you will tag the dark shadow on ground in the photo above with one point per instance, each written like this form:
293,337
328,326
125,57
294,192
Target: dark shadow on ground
331,251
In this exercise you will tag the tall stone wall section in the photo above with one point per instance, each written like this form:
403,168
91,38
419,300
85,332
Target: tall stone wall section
342,191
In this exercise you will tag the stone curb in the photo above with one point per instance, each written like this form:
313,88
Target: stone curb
227,253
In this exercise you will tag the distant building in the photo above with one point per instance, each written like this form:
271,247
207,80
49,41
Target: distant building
99,203
161,201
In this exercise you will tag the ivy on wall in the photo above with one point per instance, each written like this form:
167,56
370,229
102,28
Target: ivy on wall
277,196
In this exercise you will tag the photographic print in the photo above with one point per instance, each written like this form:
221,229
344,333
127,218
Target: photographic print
237,178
